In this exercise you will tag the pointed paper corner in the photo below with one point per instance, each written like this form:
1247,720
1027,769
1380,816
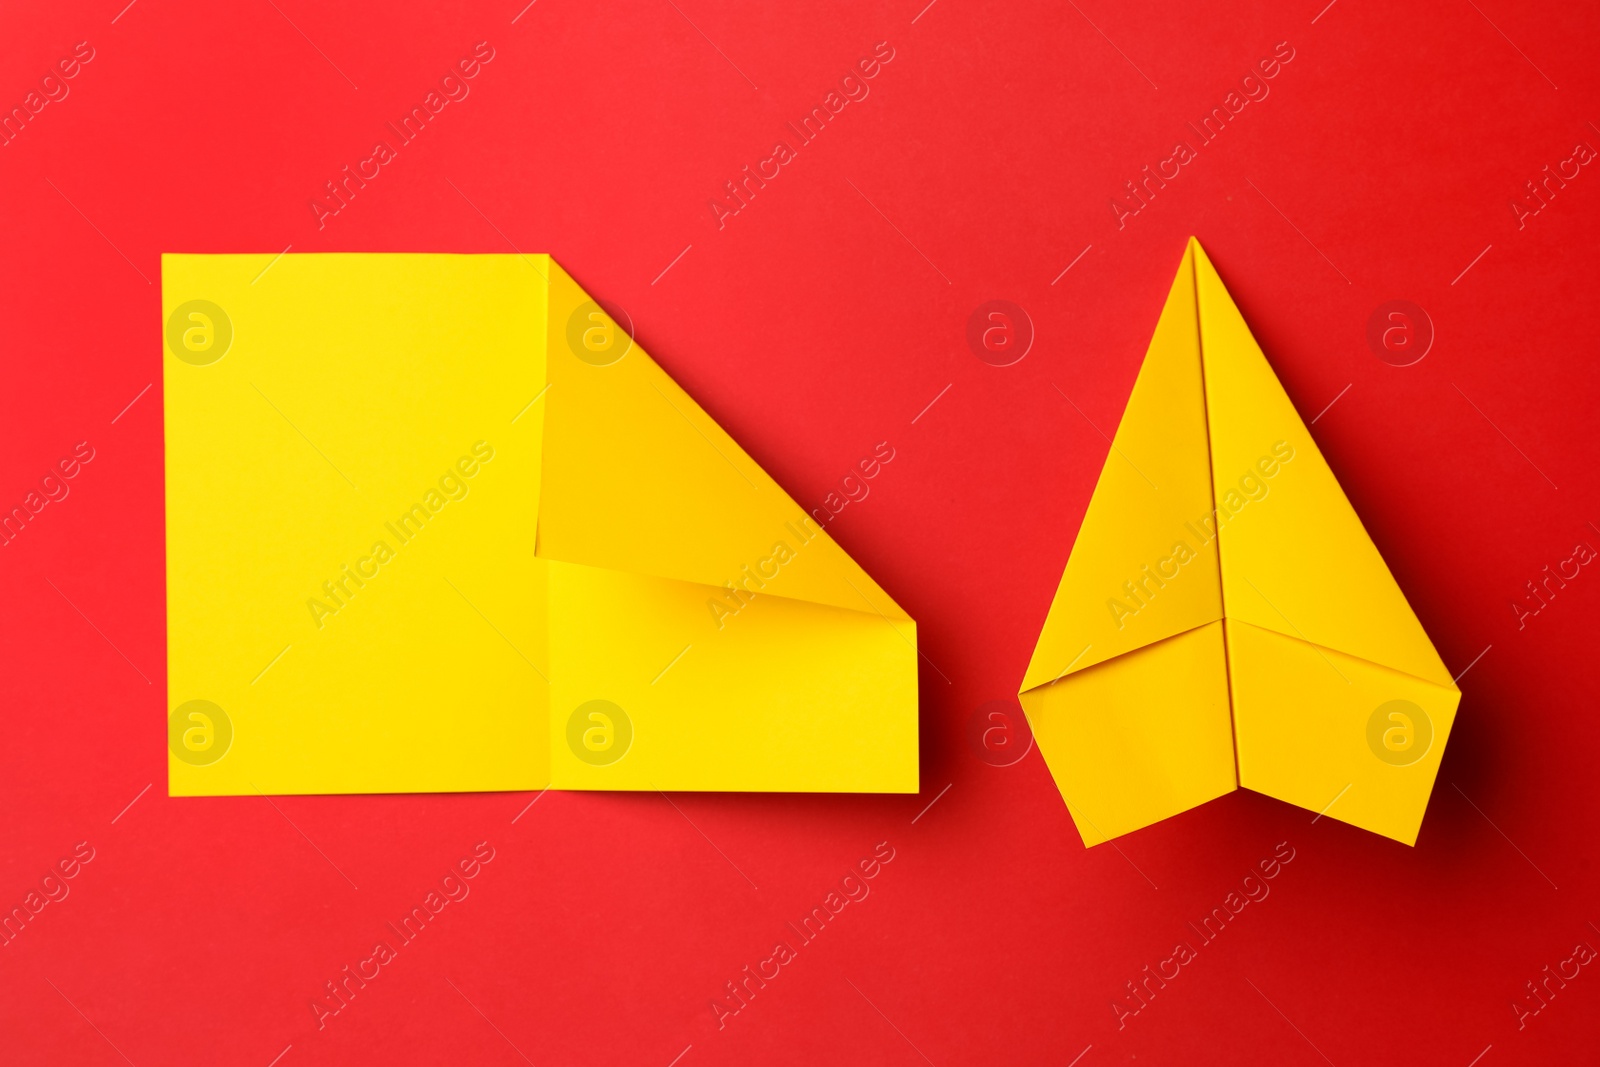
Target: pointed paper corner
1139,738
1039,673
563,297
1202,260
557,275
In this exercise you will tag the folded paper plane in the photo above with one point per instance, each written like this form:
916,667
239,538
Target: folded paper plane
1224,620
436,523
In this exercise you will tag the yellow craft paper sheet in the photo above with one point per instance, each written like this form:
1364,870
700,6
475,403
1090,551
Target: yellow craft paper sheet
1224,620
425,513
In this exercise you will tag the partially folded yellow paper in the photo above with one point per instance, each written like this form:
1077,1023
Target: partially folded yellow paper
1224,620
436,523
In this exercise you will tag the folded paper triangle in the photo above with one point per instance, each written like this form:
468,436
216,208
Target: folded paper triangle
1224,620
437,523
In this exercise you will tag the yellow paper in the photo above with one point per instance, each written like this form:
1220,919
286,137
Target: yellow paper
1224,619
435,523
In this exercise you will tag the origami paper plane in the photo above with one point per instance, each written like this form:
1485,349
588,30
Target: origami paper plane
1224,620
436,523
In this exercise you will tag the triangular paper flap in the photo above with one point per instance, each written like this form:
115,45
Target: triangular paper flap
1295,557
638,478
1336,735
1140,738
1144,565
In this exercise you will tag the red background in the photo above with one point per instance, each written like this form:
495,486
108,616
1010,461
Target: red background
812,329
